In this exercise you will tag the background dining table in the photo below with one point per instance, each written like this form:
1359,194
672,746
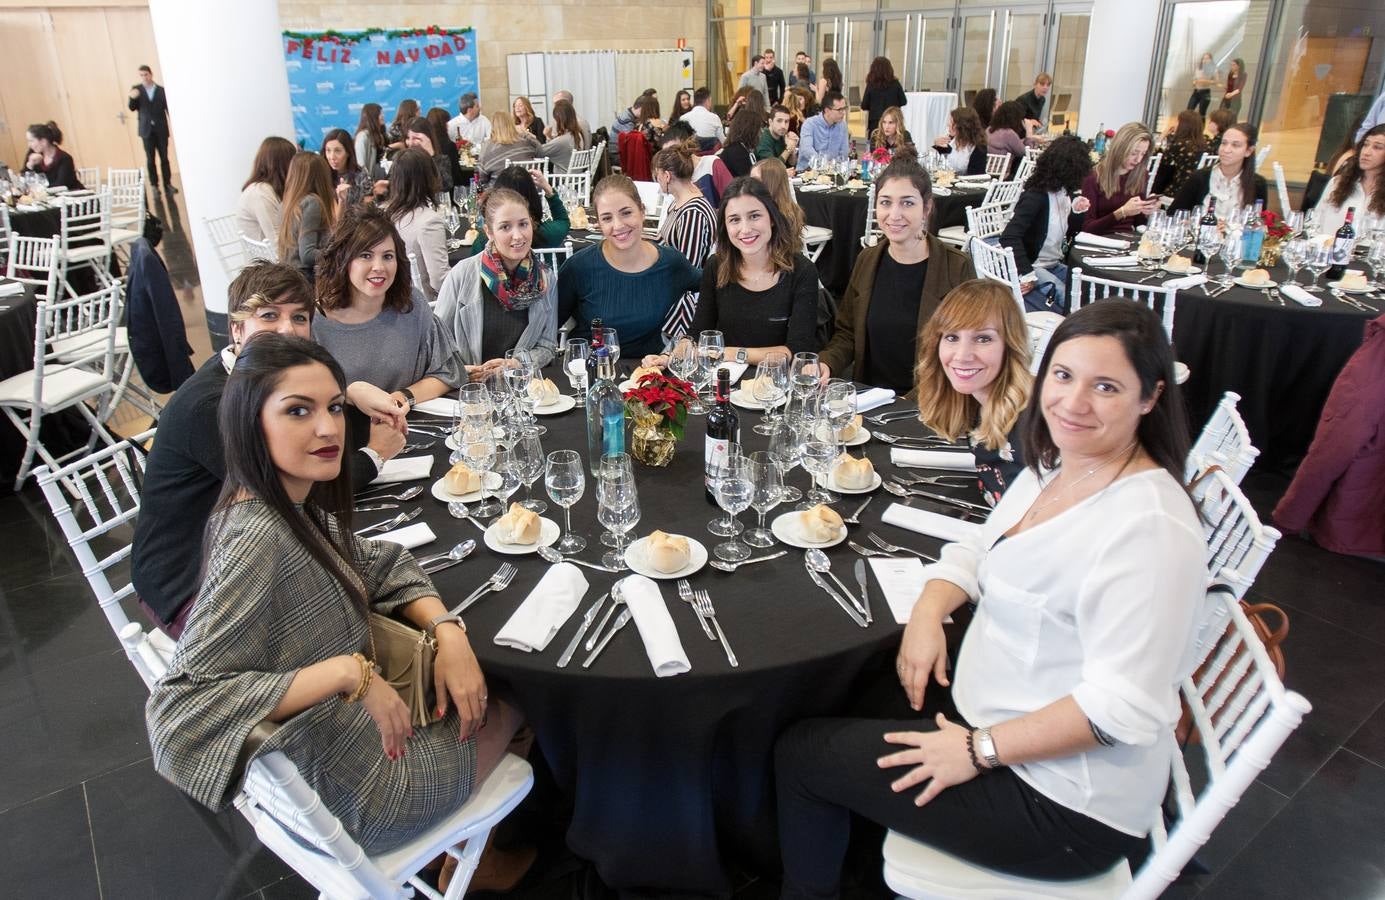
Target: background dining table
671,778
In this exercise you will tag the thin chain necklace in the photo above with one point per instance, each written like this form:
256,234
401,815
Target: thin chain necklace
1035,510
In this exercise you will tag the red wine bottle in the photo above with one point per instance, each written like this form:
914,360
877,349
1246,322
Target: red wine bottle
1208,221
723,432
1342,247
598,339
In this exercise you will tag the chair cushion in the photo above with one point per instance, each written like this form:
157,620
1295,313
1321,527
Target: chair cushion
917,870
124,235
59,388
816,234
77,344
86,254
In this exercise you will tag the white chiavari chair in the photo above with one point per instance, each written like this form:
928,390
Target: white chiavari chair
1006,192
998,264
1025,168
1206,160
552,258
577,185
871,235
1041,325
988,221
90,177
259,251
1090,288
5,232
34,261
1224,441
533,165
1152,171
127,212
84,236
997,164
1237,541
229,248
1282,187
1262,154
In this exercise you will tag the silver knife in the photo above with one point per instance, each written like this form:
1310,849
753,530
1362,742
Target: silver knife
444,563
860,571
944,498
620,623
841,601
372,507
587,618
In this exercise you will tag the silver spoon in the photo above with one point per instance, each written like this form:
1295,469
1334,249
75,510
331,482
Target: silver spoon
548,554
818,562
725,566
458,552
407,494
458,510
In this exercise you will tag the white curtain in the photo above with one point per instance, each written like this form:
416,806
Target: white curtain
667,71
591,77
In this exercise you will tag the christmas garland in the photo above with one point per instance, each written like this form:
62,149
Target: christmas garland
354,37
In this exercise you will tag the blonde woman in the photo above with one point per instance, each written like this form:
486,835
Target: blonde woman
1117,187
505,145
890,133
973,378
310,210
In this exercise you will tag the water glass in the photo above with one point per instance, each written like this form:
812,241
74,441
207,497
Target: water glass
769,386
477,448
566,481
1294,254
819,452
611,340
838,403
623,462
711,348
733,486
1376,260
618,504
1319,261
768,492
575,355
529,452
684,362
785,449
505,477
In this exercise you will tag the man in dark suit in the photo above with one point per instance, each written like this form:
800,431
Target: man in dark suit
151,102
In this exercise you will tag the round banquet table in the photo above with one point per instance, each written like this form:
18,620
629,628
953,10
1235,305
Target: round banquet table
670,778
1282,360
844,211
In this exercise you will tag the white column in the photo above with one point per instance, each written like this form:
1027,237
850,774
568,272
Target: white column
228,89
1120,49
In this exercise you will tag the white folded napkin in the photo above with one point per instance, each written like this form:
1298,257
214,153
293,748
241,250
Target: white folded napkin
929,523
1186,281
10,288
814,188
942,192
1086,238
736,369
552,601
977,178
873,398
408,537
661,643
410,468
1111,262
1299,295
438,406
934,459
28,207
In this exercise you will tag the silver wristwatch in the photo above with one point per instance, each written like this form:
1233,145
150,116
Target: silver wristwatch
985,745
445,617
741,355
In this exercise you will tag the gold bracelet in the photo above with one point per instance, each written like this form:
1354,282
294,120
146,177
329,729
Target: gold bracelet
367,673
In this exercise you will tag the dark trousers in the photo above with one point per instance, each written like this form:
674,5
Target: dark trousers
156,141
1200,100
825,770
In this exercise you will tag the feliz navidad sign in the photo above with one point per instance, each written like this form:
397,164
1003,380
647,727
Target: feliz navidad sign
332,74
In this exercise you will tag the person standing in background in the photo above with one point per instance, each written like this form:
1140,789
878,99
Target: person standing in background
754,77
807,78
1235,84
150,101
1203,79
774,78
1034,101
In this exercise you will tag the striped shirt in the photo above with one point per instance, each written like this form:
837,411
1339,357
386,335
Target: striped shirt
691,229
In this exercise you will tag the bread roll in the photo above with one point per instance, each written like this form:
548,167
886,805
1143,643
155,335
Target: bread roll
851,429
1178,264
853,474
820,524
1354,280
518,526
667,553
1256,276
460,479
544,392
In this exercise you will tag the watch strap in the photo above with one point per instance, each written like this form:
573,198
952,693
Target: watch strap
409,397
434,622
985,744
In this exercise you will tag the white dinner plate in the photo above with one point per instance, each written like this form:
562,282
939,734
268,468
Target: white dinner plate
830,482
743,399
787,530
1191,270
1337,286
564,403
440,491
1256,287
638,562
862,436
548,534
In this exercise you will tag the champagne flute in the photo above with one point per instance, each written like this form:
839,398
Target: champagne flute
566,481
618,504
769,386
733,485
784,449
768,493
529,452
575,355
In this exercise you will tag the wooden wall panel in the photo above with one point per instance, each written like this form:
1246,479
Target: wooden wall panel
96,99
31,79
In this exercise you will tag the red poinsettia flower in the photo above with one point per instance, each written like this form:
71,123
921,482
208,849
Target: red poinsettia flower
1110,133
664,395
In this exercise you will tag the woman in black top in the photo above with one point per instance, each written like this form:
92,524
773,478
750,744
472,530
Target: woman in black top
350,182
883,91
1046,219
48,159
738,153
757,290
1232,179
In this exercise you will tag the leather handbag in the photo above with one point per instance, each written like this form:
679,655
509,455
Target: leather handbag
1272,638
404,656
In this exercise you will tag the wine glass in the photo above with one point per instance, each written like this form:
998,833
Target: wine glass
819,452
520,374
1294,254
575,356
684,363
1310,222
768,493
618,504
733,486
784,449
768,388
566,482
1231,253
529,452
1294,221
1319,261
477,448
505,477
615,461
1376,260
711,347
838,403
611,341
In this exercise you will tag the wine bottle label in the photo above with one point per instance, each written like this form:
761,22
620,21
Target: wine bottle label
1341,251
715,452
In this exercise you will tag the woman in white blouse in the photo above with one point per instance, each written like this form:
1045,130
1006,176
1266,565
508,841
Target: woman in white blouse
259,211
964,145
1088,578
1360,183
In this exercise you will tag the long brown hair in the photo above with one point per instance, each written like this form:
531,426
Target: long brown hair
272,164
1188,130
370,124
983,104
565,122
881,73
361,227
782,244
971,305
1108,177
309,176
832,73
1351,175
775,175
1247,179
406,111
528,111
413,183
967,125
676,159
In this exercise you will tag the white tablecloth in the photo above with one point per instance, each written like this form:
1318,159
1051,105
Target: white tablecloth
925,115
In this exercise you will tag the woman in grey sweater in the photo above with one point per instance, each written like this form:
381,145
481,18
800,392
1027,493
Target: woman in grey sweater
310,205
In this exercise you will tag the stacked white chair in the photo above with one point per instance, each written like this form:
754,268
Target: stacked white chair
90,177
1152,171
552,257
229,248
65,380
1262,154
84,236
33,261
1025,168
1282,187
127,212
259,251
998,264
1224,441
871,235
997,164
988,220
1237,541
1206,160
533,165
1242,715
1089,288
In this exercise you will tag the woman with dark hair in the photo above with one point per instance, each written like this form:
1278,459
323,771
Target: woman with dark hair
423,135
1217,124
984,103
965,143
369,320
370,138
413,185
890,133
690,226
1360,183
738,151
350,182
1007,133
1064,693
444,144
505,145
883,92
259,210
682,102
1235,83
1231,181
895,285
626,281
46,158
830,79
1116,188
536,190
502,298
280,629
1182,152
647,118
526,119
568,137
775,176
398,135
1045,221
310,209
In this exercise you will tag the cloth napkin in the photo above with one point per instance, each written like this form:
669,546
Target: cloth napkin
873,398
438,406
814,188
661,643
1111,262
552,601
942,192
410,468
1299,295
934,459
28,207
929,523
408,537
736,369
1186,281
10,288
1087,239
976,178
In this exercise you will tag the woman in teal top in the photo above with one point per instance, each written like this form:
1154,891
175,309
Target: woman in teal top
627,282
534,188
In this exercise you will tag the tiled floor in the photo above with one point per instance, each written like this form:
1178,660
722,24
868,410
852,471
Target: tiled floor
83,814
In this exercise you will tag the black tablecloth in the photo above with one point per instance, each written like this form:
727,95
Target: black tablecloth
1282,360
670,778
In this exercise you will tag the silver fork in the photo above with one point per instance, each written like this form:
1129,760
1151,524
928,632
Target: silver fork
865,551
685,593
886,418
497,582
386,525
935,480
1278,297
855,518
899,438
704,607
885,545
